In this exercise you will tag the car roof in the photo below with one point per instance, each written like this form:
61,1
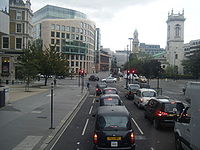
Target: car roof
113,110
145,89
109,95
110,88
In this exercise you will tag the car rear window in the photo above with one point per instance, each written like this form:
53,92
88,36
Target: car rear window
148,94
169,107
110,91
102,86
113,122
111,101
134,86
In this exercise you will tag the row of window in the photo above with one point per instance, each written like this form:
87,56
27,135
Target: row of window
18,42
71,29
71,36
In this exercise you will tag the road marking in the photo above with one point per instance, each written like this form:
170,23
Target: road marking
28,143
50,95
140,137
90,110
36,112
152,148
85,127
93,100
137,126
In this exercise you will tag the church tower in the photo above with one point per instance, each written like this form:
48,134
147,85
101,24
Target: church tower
175,40
135,44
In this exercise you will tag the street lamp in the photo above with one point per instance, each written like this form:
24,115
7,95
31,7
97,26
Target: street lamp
127,69
130,55
174,63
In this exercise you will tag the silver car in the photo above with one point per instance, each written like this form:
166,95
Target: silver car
142,96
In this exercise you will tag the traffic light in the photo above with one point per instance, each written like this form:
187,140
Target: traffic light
82,72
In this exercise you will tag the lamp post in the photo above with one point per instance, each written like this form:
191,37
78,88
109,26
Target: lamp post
174,64
129,56
127,69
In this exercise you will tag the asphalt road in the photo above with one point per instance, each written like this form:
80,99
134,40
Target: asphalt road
78,135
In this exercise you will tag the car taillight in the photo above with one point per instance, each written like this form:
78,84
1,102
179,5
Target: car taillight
161,113
95,138
132,138
141,99
97,89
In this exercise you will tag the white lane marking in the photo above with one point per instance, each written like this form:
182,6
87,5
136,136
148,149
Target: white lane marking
28,143
36,112
50,95
90,110
137,126
152,148
93,100
85,127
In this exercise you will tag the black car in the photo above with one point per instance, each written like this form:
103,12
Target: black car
93,78
110,100
110,90
100,87
113,129
131,90
163,112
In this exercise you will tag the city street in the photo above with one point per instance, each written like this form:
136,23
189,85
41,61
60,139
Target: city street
78,135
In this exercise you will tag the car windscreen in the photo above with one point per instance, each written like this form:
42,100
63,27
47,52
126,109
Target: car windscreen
144,85
148,94
111,101
110,91
169,107
113,123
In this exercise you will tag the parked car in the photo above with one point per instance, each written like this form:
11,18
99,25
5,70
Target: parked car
110,90
142,79
99,88
131,90
93,78
142,96
163,112
109,79
110,100
113,129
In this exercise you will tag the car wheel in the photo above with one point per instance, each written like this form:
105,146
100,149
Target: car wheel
178,143
156,124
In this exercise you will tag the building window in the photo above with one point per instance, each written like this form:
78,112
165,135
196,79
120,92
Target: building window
58,34
52,34
63,35
63,28
177,30
176,56
72,57
57,48
67,28
77,64
73,29
19,28
67,36
18,43
52,41
72,63
72,36
18,15
57,42
77,30
58,27
53,27
5,42
77,57
77,37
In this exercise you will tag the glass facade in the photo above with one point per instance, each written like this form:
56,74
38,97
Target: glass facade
54,12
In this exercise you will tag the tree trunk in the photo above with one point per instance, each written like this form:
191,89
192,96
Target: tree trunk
45,83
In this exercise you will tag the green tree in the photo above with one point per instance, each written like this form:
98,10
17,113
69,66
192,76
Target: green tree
192,64
28,66
52,62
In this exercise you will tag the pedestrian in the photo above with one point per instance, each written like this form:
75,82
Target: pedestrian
54,81
88,85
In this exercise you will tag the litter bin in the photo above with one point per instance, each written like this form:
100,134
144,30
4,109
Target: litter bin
2,97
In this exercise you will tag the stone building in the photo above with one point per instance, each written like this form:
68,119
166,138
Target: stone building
20,34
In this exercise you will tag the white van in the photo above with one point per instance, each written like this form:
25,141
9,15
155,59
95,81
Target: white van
188,124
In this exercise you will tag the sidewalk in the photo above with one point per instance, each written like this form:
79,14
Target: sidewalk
25,121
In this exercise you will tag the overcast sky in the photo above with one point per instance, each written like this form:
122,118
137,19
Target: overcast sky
118,19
